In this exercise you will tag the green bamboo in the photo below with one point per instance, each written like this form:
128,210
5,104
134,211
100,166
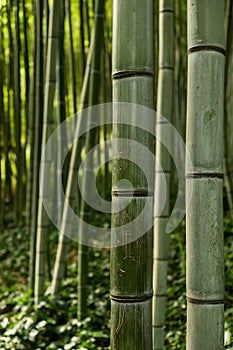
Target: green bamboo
164,108
46,11
8,133
26,66
71,56
61,114
31,137
2,120
70,195
180,72
98,35
37,138
227,161
43,222
87,21
131,264
17,118
205,266
82,36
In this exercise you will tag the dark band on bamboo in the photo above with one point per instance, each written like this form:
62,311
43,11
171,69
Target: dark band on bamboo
162,122
167,67
133,299
199,48
166,11
132,73
160,259
206,175
138,193
166,172
204,301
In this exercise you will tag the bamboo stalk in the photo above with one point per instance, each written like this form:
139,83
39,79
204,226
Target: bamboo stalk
227,162
31,138
64,241
82,36
61,115
42,222
71,55
37,137
131,264
17,118
205,265
7,115
164,108
2,121
26,66
98,36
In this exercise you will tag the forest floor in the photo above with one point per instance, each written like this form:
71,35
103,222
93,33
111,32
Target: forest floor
54,325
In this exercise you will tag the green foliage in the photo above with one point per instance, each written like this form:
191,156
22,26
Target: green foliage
54,324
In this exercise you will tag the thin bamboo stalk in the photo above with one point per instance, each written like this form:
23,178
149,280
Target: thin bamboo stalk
205,265
87,21
164,108
26,66
61,115
131,264
71,56
42,222
37,137
64,241
17,118
98,36
2,120
8,132
31,138
82,36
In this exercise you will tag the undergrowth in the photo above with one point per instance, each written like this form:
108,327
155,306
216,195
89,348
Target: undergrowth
54,325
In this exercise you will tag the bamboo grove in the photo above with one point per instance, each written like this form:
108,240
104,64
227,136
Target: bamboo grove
169,59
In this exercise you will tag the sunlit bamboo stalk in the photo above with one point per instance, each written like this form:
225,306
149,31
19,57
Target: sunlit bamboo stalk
164,108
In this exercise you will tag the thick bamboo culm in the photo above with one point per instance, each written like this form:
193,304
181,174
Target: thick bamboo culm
131,264
227,112
204,235
164,108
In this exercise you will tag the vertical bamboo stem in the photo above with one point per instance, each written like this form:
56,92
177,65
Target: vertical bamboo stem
131,264
37,137
164,108
42,222
17,117
227,163
71,55
98,36
205,266
60,261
